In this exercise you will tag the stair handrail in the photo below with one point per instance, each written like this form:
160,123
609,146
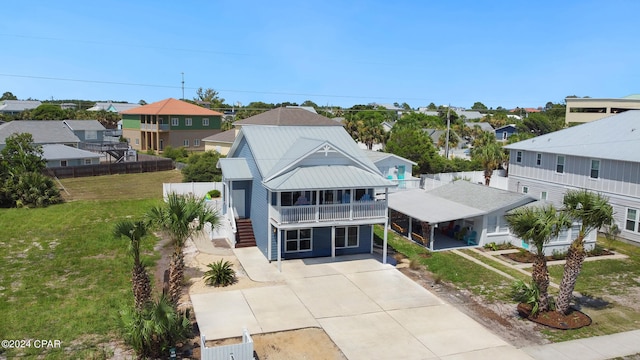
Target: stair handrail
232,220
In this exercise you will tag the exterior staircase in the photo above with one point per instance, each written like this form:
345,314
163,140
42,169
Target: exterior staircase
244,234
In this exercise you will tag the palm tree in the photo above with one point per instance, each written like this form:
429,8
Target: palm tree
536,226
593,211
491,156
140,281
180,217
370,131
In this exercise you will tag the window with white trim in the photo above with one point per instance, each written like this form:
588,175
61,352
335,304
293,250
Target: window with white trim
595,169
518,156
87,161
347,237
496,224
196,142
137,141
175,121
633,220
205,122
538,159
525,189
63,162
188,121
560,164
543,195
297,240
185,142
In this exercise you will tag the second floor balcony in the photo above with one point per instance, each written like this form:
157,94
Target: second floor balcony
154,127
358,210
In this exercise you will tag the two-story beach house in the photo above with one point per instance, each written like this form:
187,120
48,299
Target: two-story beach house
169,122
308,191
601,156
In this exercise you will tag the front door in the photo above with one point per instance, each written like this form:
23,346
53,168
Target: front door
238,201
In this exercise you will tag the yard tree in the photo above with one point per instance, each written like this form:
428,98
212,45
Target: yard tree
536,226
179,218
48,112
414,144
21,155
140,281
478,106
592,211
209,96
8,95
370,130
202,168
489,153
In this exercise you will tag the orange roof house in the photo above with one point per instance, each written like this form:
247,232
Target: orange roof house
169,122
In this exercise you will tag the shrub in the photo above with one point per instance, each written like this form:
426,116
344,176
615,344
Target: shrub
597,250
491,246
30,189
220,274
558,255
526,294
214,193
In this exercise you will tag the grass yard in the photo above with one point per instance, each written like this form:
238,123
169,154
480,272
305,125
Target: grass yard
62,274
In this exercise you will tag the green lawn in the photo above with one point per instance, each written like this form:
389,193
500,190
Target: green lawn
62,275
614,281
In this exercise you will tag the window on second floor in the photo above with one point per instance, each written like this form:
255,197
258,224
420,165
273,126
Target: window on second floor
543,195
633,220
538,159
518,156
175,121
188,122
560,164
205,122
595,169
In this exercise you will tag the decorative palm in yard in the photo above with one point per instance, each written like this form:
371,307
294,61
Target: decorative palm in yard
489,153
140,281
593,211
537,225
179,218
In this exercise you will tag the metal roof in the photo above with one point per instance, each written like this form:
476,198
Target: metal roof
235,168
84,124
18,105
478,196
327,177
376,156
109,106
64,152
274,145
433,209
42,131
616,137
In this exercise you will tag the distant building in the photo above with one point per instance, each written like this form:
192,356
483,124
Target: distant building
14,107
112,107
581,110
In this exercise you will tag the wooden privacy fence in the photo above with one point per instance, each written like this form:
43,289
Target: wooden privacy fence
110,169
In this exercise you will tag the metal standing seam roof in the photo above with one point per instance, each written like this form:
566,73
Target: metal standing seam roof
235,168
84,124
273,145
615,137
478,196
376,156
327,177
64,152
42,131
430,208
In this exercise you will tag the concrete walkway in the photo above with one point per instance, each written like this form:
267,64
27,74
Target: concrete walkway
371,311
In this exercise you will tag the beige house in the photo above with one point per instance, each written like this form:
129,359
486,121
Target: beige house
582,110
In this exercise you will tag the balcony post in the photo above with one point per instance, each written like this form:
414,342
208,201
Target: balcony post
386,224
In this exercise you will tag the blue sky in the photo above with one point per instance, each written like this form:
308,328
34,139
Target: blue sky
502,53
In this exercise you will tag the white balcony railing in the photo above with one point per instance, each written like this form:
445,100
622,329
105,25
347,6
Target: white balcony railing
321,213
154,127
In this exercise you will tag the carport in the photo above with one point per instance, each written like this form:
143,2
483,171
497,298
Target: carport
421,207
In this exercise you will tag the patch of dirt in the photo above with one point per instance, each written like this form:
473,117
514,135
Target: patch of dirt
502,318
574,319
309,343
528,257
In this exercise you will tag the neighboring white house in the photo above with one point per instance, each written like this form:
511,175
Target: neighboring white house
601,156
581,110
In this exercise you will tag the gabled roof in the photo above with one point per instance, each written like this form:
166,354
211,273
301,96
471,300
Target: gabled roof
479,196
235,168
483,126
287,117
42,131
222,137
506,126
275,146
18,105
171,106
326,177
616,137
308,108
376,156
470,114
84,125
64,152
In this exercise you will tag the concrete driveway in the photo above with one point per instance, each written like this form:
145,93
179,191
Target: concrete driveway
369,309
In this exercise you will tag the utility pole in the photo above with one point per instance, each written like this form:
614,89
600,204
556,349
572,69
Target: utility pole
446,146
182,85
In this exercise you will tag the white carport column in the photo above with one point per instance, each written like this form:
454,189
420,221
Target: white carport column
333,241
433,237
279,250
386,225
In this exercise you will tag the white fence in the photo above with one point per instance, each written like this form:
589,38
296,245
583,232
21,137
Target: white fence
197,189
242,351
498,179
